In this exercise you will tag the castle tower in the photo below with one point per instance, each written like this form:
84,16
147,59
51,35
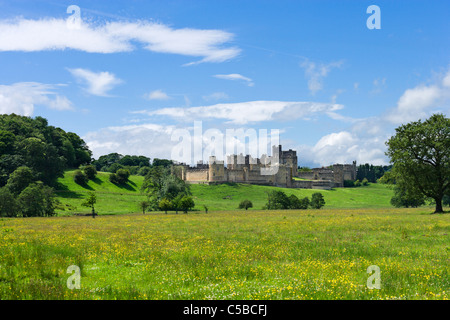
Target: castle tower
216,170
338,174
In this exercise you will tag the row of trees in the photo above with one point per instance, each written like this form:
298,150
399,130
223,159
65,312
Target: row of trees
277,200
136,165
371,173
357,183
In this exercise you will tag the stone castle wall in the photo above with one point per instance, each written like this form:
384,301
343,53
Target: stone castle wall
245,169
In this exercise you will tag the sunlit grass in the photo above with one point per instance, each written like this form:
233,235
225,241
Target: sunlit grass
308,254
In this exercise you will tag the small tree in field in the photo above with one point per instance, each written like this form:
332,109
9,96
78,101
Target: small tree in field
245,204
165,205
90,201
186,204
317,200
144,205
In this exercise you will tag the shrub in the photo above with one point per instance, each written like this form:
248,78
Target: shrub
80,178
245,204
113,178
349,183
357,183
90,172
122,176
317,200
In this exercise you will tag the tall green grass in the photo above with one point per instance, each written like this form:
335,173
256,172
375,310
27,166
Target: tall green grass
292,254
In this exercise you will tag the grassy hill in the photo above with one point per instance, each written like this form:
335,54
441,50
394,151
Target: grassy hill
112,199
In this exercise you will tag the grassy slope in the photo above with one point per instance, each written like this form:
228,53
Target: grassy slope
227,197
110,197
125,199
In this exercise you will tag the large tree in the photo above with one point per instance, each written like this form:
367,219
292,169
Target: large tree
420,154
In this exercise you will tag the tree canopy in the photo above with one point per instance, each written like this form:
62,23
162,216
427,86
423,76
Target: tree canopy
46,150
419,152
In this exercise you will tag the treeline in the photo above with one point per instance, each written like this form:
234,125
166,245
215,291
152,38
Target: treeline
370,172
136,165
278,200
46,150
33,155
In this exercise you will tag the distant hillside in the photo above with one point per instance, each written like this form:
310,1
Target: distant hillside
228,196
113,199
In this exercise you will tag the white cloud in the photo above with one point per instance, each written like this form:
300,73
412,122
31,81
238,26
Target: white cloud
315,73
234,77
157,95
110,37
414,104
21,98
345,147
98,83
152,140
422,100
245,112
446,80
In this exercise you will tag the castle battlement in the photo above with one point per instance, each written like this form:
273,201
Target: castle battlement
246,169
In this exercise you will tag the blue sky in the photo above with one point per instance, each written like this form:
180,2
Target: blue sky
131,72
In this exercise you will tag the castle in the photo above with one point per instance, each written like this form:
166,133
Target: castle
280,169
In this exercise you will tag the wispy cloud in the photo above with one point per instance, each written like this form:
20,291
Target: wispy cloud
22,97
97,83
248,112
157,95
55,34
316,73
216,96
235,77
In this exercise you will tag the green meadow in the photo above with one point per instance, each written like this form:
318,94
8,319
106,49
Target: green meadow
292,254
225,253
113,199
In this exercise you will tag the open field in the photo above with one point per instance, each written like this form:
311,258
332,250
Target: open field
307,254
114,199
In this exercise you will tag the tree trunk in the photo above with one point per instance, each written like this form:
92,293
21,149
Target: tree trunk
438,206
93,212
